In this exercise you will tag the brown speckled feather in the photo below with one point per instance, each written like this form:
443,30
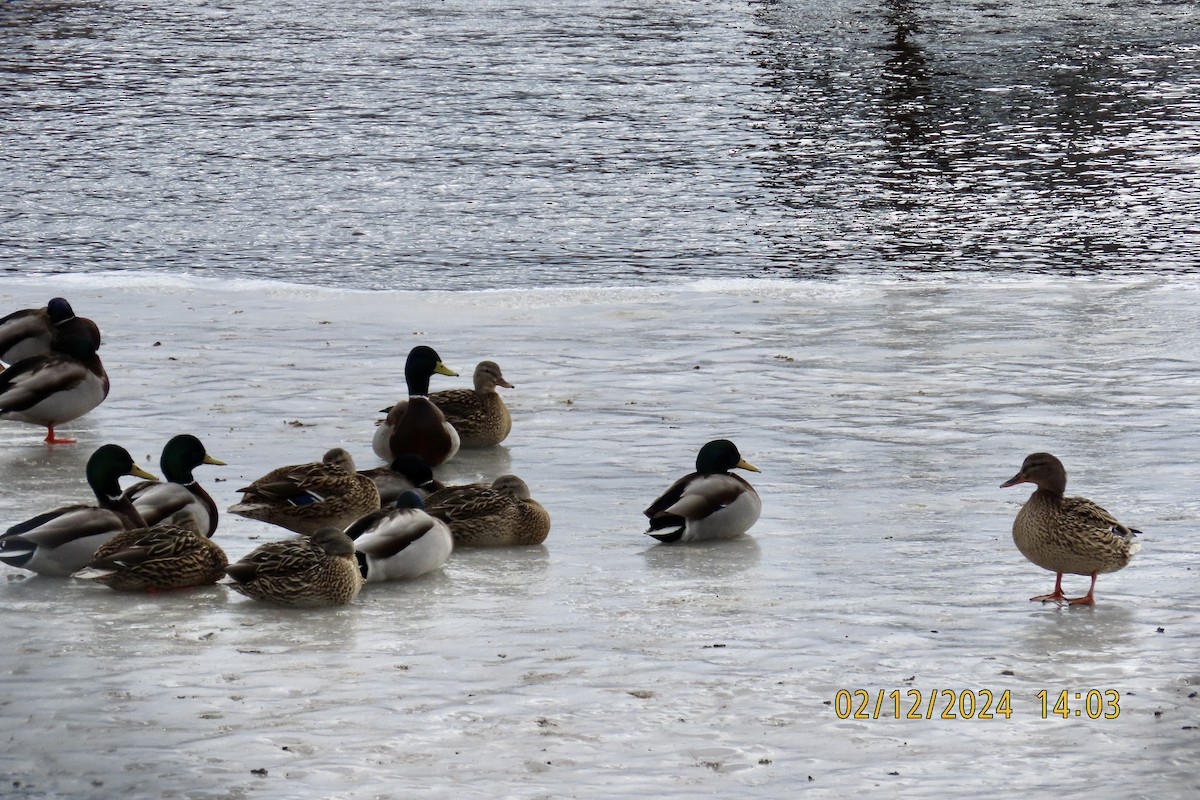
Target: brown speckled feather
157,559
501,514
300,573
1072,535
306,497
1067,534
478,414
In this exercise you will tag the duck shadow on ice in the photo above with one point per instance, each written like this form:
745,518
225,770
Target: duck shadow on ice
712,559
1054,633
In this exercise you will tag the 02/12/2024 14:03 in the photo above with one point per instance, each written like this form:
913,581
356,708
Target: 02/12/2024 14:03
971,704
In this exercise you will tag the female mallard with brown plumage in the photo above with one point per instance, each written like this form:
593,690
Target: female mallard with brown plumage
61,541
306,497
479,414
504,513
178,499
416,425
710,503
1067,534
307,572
156,559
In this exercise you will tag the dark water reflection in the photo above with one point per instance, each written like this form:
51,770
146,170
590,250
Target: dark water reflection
990,136
458,145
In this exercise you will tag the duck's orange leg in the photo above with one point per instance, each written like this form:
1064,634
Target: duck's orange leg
1089,598
1056,595
52,439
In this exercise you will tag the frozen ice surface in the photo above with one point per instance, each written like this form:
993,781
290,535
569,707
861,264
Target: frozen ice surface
884,415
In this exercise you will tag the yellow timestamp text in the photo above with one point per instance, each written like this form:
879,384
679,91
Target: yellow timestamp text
971,704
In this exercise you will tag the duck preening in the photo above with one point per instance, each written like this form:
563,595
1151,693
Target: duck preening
53,389
35,331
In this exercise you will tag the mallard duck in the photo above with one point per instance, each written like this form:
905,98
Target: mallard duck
180,499
402,542
307,572
34,331
501,514
710,503
62,541
406,473
52,389
416,425
479,415
1067,534
156,559
306,497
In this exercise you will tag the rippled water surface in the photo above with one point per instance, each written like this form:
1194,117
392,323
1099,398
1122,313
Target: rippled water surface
470,145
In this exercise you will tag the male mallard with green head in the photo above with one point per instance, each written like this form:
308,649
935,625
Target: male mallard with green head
179,499
61,541
710,503
401,542
416,425
1067,534
35,331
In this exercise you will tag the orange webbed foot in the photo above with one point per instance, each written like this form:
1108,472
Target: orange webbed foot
1056,595
1089,598
52,439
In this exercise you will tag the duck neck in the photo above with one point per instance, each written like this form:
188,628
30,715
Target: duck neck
106,487
122,507
1049,495
418,384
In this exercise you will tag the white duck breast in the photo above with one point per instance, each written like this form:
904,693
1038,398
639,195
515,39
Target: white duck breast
55,388
400,544
717,507
709,503
59,542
